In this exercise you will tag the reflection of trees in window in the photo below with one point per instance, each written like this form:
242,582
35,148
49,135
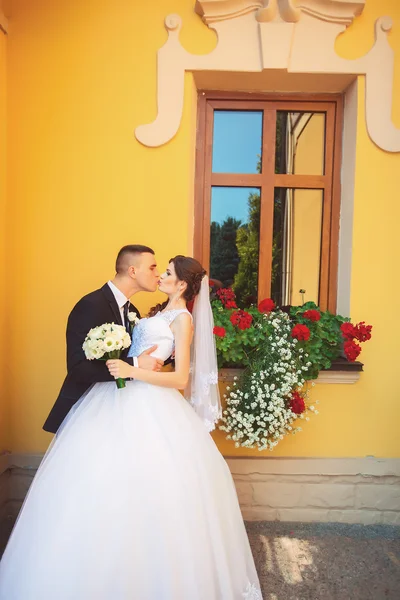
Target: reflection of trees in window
248,245
277,246
235,251
224,258
248,241
280,143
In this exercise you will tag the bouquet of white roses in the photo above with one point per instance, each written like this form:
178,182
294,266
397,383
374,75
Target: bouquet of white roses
105,342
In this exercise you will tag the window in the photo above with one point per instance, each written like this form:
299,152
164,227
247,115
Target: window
267,195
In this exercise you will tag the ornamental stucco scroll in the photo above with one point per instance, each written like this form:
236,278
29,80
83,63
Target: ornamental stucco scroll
259,35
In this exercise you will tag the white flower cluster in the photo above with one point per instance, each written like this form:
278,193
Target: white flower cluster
258,413
105,339
133,318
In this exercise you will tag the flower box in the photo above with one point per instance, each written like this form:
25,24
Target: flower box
341,371
283,353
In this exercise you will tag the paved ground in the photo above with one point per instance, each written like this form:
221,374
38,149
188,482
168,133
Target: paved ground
311,561
298,561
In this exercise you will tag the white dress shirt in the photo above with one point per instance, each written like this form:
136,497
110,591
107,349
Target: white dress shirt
121,300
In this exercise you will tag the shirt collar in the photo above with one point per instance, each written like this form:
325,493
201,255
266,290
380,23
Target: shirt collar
118,295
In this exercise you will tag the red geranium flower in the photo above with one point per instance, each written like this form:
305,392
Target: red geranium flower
266,305
351,350
219,331
301,332
241,319
296,403
363,332
348,331
360,332
227,297
312,314
230,304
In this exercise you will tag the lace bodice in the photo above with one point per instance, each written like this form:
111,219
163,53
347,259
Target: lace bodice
155,331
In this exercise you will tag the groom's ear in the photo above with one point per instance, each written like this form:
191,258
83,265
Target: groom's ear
131,271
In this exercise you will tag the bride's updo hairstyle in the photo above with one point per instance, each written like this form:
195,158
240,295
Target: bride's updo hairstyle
187,269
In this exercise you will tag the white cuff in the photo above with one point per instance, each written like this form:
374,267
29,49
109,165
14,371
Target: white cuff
135,362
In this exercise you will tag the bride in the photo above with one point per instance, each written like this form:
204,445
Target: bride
133,501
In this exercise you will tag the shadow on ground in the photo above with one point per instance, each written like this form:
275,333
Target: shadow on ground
313,561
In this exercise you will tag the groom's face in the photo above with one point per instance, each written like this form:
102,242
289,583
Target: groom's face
146,272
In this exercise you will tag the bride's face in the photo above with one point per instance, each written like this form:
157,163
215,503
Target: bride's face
169,282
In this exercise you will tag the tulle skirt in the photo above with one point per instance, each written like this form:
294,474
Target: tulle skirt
132,501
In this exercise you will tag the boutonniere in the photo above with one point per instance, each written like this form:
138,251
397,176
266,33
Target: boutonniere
133,320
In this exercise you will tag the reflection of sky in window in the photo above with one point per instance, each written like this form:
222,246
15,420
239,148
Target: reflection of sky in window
237,141
230,202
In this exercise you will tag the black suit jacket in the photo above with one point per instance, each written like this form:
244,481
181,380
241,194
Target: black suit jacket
92,310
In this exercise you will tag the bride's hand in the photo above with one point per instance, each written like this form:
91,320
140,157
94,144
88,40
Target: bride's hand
119,368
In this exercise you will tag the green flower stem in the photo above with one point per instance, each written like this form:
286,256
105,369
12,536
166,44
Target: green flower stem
120,383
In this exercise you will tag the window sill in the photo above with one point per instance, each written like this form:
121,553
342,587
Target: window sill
341,371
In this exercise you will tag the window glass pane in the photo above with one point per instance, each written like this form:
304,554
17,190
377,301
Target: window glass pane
237,141
296,246
300,143
235,233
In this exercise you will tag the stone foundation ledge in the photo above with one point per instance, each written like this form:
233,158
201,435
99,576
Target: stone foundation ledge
16,474
343,490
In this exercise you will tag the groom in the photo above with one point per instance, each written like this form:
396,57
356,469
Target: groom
136,271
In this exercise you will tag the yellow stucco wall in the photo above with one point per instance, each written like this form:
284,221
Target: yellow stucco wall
81,74
4,401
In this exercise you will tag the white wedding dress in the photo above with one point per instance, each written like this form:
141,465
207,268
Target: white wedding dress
132,501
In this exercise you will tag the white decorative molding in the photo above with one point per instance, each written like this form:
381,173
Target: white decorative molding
277,37
29,462
368,466
333,11
287,11
220,10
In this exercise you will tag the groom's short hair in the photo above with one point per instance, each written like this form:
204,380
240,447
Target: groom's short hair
131,249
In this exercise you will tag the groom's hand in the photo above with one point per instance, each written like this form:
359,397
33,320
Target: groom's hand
151,363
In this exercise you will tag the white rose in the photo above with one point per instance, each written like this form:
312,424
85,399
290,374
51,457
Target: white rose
95,333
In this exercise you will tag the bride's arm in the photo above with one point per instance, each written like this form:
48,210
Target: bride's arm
182,329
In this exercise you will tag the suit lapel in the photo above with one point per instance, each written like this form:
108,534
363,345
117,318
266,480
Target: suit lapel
112,302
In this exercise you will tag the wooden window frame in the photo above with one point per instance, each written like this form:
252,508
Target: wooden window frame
268,180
